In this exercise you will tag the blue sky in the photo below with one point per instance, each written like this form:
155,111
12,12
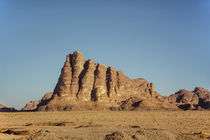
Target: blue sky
167,42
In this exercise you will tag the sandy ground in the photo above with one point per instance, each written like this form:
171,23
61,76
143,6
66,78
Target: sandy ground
109,125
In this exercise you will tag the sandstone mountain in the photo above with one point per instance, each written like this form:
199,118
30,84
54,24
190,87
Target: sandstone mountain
7,109
86,85
197,99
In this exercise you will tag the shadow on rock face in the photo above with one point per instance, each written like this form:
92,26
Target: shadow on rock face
185,106
130,104
206,105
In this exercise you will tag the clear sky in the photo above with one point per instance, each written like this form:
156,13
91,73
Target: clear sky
167,42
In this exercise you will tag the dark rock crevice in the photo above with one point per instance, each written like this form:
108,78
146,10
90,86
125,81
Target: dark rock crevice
108,81
93,91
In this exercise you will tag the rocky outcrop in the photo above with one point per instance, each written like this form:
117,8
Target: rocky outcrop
89,85
191,100
63,86
77,63
33,105
86,85
7,109
204,97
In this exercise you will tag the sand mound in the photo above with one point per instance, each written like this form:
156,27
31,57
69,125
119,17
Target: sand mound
51,124
42,135
47,135
146,134
118,136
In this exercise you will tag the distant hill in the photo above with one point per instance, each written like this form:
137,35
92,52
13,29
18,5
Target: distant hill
7,109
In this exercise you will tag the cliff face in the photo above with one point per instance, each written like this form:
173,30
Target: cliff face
89,81
89,85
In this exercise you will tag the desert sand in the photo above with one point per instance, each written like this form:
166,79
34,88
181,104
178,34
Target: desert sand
105,125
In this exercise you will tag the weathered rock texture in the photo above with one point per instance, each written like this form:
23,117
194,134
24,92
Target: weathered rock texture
7,109
86,85
197,99
33,105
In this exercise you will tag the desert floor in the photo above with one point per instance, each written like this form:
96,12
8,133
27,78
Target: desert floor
100,125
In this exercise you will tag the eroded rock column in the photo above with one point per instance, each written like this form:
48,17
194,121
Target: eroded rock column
99,92
111,81
63,86
86,81
77,61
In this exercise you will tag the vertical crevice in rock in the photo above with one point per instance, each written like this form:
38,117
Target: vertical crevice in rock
93,92
111,78
86,80
72,70
151,89
63,86
118,81
108,80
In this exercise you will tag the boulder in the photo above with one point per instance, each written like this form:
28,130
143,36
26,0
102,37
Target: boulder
197,99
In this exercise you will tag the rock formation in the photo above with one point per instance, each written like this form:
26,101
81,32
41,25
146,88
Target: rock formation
197,99
204,97
88,85
33,105
7,109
